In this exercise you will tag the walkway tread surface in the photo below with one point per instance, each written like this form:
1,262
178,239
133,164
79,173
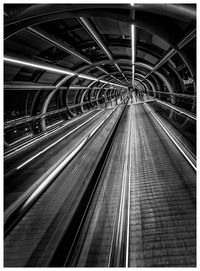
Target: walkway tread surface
162,199
162,218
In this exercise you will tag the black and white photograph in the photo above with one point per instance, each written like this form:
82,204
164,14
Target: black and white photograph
99,134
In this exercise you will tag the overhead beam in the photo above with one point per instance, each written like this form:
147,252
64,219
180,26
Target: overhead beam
173,51
148,81
62,46
163,78
40,13
90,29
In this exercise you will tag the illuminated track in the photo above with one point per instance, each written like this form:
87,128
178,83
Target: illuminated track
138,208
35,139
155,172
173,139
51,150
108,121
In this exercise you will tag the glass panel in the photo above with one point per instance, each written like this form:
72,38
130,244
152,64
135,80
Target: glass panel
185,125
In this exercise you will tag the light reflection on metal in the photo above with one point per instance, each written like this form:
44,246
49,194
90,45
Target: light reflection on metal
173,51
62,81
117,66
181,111
54,143
173,138
95,35
91,30
19,140
41,33
46,134
101,69
51,125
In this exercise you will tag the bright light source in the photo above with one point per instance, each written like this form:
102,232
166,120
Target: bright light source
38,66
133,51
102,81
56,70
84,76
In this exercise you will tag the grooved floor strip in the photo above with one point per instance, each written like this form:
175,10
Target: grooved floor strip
162,199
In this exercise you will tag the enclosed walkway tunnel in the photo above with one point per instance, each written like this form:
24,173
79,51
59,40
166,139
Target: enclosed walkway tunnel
99,135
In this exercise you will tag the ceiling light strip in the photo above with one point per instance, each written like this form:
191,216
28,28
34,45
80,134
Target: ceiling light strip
87,77
38,66
133,51
56,70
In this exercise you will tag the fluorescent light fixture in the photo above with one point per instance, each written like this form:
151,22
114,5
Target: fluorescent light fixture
117,85
56,70
102,81
87,77
133,51
38,66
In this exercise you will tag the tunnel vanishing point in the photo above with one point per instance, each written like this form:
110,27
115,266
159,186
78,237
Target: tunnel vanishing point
99,135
